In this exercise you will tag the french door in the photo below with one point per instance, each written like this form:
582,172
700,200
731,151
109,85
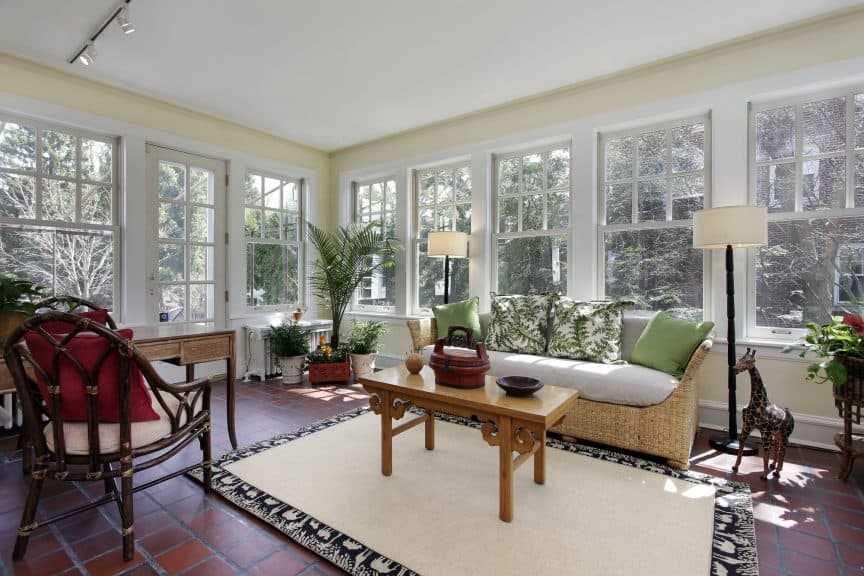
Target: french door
187,244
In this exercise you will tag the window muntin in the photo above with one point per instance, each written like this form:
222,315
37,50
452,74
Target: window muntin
532,220
375,201
807,167
443,202
651,181
58,209
274,239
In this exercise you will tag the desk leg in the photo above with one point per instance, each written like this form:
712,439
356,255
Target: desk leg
505,455
232,394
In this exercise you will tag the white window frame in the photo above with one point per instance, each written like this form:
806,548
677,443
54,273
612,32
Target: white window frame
494,195
300,243
38,174
706,173
415,239
355,218
850,211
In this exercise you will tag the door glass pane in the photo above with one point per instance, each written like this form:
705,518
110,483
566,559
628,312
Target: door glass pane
173,301
201,223
172,259
172,181
200,302
201,186
200,262
172,220
17,146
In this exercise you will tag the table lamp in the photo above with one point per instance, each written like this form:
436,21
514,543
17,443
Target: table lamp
730,227
448,244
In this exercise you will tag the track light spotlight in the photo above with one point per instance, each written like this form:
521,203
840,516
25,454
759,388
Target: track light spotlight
88,55
123,20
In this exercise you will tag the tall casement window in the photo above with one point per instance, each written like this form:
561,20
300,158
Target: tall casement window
652,179
443,200
58,209
274,240
807,167
375,201
532,220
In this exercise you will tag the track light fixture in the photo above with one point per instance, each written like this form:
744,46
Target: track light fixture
87,53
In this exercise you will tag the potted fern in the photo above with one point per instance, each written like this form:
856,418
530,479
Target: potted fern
345,258
290,344
364,345
17,303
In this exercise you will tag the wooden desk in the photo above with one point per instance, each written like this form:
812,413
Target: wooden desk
182,345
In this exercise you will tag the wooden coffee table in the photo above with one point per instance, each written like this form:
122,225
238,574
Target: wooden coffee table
513,424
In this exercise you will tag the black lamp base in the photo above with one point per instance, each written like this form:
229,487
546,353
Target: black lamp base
729,446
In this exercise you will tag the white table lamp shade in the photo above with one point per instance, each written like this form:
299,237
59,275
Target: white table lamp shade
447,243
736,226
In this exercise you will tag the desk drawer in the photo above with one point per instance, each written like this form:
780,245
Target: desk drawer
205,349
160,350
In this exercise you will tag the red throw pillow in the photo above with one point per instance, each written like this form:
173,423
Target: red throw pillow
88,348
99,316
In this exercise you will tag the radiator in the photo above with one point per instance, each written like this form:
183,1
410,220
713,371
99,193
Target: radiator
260,361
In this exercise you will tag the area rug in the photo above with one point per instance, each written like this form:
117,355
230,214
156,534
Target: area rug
599,512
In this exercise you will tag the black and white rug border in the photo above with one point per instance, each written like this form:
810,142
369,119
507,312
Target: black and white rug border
734,540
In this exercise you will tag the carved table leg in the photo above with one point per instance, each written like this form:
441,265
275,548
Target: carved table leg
505,456
430,429
540,458
386,434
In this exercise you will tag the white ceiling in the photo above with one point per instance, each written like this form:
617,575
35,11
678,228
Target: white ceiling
333,73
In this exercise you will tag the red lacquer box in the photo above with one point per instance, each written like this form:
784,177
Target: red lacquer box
459,367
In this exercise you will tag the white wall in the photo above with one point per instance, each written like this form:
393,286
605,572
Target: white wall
728,106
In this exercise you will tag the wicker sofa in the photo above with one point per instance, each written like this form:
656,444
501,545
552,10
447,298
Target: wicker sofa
665,429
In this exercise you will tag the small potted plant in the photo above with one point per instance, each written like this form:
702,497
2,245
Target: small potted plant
16,303
328,364
839,347
364,345
290,344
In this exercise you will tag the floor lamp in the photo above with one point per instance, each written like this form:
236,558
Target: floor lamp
448,244
730,227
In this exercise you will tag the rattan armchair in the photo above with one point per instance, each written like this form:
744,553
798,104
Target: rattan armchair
97,449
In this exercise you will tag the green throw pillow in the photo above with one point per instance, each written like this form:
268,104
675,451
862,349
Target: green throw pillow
667,343
587,330
465,313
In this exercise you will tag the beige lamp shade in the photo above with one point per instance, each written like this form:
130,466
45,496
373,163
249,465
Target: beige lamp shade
446,243
736,226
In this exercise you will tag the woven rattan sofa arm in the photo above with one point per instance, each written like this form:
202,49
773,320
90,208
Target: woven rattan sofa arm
697,359
424,331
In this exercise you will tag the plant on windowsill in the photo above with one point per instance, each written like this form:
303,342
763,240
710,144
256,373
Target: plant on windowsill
328,364
345,258
291,345
364,343
17,298
839,347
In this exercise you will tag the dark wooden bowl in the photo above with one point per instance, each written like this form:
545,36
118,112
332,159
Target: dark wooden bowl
519,385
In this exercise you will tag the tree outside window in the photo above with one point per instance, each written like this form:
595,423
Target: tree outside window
532,220
58,195
443,201
807,167
652,180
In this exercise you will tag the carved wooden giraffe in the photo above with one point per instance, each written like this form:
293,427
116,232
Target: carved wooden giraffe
775,424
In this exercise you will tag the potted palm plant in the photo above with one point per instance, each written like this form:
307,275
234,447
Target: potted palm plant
290,344
16,303
345,258
364,344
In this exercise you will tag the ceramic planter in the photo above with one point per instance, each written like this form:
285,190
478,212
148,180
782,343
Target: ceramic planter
363,365
292,369
330,372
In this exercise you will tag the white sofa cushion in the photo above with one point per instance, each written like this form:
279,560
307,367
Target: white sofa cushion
626,384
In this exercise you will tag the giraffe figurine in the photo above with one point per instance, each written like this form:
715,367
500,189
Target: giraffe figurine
775,424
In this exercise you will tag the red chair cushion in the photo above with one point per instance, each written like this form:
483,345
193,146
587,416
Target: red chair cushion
99,316
87,348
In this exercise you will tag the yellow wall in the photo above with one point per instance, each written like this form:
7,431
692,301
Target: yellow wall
32,80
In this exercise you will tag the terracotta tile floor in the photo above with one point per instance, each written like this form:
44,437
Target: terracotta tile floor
807,523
